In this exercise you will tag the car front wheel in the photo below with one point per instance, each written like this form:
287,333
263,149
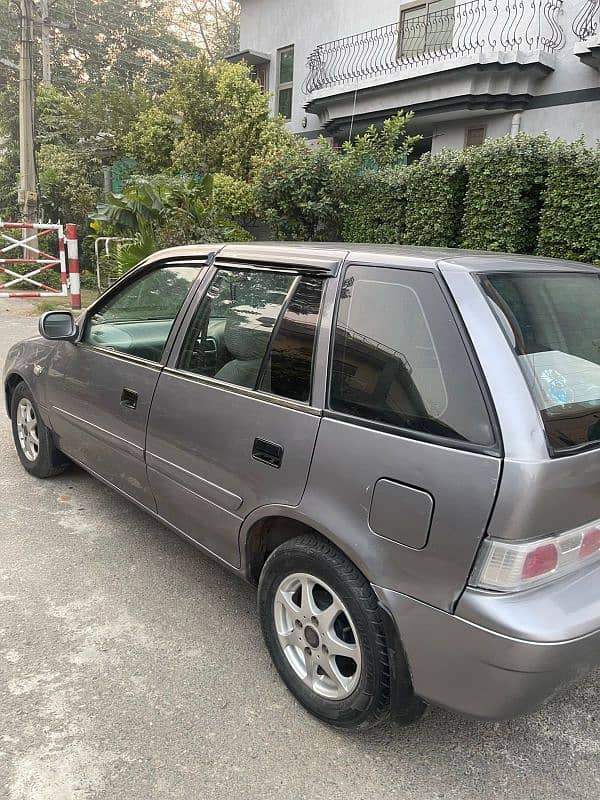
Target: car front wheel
323,627
33,440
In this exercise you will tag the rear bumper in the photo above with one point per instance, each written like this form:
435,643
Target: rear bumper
462,665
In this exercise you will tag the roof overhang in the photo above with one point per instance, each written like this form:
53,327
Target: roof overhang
252,57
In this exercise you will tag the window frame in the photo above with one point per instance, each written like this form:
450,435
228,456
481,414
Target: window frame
203,263
416,4
286,84
495,448
469,129
172,367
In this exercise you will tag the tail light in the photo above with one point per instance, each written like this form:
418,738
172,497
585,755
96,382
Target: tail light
505,566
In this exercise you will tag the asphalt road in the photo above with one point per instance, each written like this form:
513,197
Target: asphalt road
132,668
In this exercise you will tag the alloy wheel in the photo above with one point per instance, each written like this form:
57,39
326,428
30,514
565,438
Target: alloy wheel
27,429
317,636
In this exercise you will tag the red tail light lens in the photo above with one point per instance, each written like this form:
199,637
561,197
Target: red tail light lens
590,543
541,561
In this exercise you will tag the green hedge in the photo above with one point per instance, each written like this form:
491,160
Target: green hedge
435,188
522,194
506,177
293,192
570,218
372,207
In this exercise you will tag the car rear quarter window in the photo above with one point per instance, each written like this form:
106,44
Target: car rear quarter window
399,360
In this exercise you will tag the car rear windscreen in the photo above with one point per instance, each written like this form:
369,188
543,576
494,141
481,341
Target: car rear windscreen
553,323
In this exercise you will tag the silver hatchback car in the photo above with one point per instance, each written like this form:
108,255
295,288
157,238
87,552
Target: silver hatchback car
399,446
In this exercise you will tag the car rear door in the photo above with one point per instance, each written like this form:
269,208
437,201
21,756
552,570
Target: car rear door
407,460
232,426
99,389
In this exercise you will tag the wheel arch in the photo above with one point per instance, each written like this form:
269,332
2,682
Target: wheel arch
268,527
12,380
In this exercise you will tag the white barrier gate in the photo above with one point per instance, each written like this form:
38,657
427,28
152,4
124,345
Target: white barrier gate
39,260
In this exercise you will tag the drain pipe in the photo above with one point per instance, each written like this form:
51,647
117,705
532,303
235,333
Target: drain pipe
515,123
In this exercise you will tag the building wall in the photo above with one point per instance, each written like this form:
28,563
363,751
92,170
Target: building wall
267,25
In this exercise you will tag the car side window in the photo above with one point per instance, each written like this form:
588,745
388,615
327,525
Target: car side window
256,329
288,369
231,330
398,358
138,319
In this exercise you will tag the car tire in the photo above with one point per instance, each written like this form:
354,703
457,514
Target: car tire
33,440
325,632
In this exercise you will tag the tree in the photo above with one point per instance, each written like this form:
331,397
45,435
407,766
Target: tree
163,211
222,121
293,192
9,151
214,24
87,127
103,42
66,186
114,42
94,121
151,139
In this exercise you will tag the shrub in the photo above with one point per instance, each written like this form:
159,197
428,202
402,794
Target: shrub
435,188
373,206
293,192
503,198
320,193
570,218
233,197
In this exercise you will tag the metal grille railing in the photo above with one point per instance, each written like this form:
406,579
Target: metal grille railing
469,27
587,22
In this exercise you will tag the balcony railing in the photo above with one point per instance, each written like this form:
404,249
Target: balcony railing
419,39
587,22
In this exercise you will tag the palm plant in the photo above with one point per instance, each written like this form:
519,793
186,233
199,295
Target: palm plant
161,211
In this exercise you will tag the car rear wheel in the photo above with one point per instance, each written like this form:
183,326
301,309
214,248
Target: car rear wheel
33,440
323,627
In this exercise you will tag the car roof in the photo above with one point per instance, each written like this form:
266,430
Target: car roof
327,257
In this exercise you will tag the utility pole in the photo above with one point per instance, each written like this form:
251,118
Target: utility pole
46,68
28,198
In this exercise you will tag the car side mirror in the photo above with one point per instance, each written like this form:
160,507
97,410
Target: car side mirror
58,325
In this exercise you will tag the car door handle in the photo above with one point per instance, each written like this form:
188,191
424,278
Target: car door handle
129,398
267,452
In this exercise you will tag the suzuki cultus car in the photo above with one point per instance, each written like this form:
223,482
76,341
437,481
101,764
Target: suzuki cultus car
398,446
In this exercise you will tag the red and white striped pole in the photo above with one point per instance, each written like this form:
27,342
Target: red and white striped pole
73,256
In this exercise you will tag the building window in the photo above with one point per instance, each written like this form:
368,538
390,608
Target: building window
425,28
285,81
475,136
260,74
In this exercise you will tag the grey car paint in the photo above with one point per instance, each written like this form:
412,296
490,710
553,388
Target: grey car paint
467,649
95,428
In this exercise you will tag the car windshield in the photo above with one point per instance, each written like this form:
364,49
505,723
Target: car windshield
553,323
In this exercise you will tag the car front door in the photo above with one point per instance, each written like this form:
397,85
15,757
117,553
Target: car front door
100,389
231,426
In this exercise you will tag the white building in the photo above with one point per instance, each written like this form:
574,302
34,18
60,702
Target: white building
468,70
